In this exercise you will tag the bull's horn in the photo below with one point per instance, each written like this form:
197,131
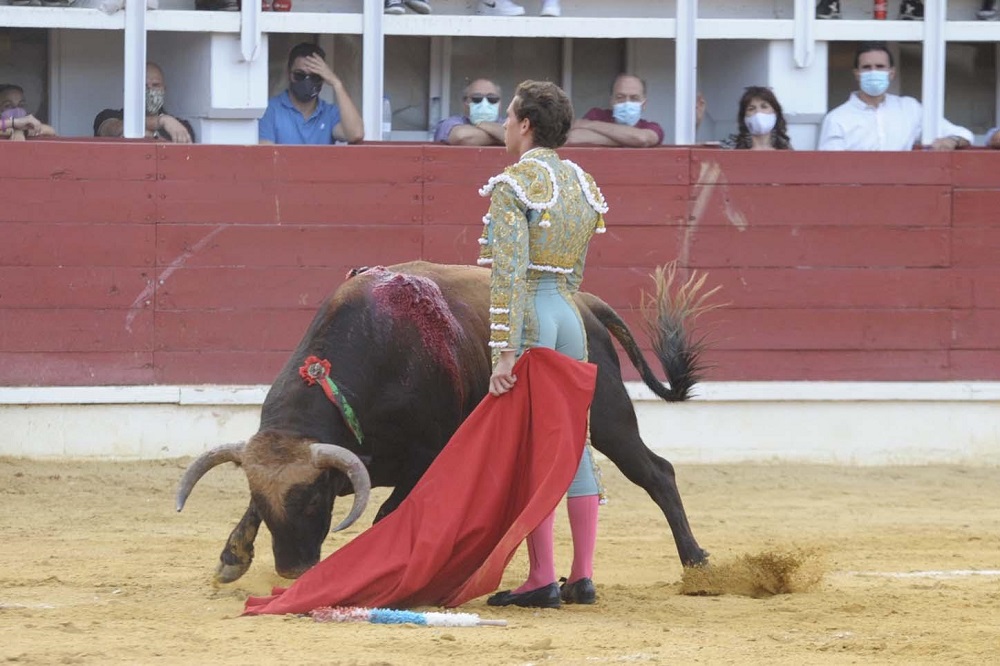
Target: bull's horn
326,456
204,462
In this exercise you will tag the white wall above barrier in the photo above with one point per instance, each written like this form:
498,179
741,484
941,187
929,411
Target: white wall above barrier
857,423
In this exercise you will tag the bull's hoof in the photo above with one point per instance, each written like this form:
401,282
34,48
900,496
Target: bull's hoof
699,560
227,573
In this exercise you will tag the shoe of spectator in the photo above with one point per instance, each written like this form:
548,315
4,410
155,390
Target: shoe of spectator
989,11
217,5
911,10
500,8
394,7
828,9
551,8
419,6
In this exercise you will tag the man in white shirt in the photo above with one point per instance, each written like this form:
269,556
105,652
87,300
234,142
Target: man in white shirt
871,119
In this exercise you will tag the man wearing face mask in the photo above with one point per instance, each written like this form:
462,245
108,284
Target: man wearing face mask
872,119
480,124
299,117
622,124
160,125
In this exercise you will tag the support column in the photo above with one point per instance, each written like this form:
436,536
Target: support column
372,68
237,90
932,83
802,91
134,83
686,72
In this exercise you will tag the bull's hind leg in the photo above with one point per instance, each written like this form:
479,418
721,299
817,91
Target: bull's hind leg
615,433
238,552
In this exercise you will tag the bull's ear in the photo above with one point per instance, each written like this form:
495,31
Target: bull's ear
330,456
203,463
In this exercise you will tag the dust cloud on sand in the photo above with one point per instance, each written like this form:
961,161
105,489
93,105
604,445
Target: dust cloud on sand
756,575
96,567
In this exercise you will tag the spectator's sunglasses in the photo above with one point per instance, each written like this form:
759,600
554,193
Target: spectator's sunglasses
476,98
298,75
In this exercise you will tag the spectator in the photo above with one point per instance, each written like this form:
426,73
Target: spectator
160,125
871,119
909,10
621,125
299,117
760,121
399,6
511,8
480,125
12,106
16,124
217,5
993,138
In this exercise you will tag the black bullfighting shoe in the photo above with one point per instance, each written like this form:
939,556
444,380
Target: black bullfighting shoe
542,597
579,592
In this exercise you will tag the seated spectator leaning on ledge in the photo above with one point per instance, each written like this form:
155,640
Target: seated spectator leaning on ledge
159,124
993,138
17,125
480,125
621,125
872,119
760,121
299,117
11,109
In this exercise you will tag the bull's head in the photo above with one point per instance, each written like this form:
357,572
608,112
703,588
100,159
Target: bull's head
292,482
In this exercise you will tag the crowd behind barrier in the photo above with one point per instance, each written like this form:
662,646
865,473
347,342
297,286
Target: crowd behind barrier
871,119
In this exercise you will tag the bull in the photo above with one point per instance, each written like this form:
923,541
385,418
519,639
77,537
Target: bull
407,351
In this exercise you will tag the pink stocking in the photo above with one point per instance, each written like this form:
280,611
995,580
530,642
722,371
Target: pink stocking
541,556
583,526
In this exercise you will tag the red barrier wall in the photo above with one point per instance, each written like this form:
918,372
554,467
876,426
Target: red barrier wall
139,263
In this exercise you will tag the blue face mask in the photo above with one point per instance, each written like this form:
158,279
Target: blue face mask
483,112
874,82
627,113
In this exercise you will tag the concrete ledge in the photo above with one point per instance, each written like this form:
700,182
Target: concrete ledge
706,391
823,422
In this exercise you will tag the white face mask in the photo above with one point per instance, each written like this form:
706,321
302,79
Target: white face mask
761,122
874,82
627,113
483,112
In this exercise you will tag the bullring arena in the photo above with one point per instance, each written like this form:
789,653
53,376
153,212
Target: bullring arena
840,463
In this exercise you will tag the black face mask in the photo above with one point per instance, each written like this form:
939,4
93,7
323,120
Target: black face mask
305,90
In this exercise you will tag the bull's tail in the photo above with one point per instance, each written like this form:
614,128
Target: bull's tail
669,316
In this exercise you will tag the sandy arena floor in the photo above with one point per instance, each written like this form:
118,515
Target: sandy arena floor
96,568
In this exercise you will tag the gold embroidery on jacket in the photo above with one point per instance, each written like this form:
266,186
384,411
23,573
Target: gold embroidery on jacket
543,212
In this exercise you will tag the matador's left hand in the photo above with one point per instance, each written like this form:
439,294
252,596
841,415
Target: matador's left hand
503,379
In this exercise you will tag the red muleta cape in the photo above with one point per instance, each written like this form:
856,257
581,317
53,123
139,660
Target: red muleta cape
502,472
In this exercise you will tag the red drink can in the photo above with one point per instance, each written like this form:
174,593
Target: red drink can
881,9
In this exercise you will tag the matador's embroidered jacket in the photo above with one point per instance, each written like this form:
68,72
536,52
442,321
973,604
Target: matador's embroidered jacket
543,213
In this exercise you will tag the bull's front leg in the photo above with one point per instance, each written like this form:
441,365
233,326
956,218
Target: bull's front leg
421,453
238,553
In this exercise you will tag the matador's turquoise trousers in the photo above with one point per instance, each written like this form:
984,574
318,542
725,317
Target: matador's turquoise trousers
552,320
